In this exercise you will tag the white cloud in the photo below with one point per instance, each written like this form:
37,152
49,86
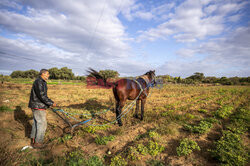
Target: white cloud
229,56
144,15
69,25
83,34
79,33
195,20
233,50
138,10
186,53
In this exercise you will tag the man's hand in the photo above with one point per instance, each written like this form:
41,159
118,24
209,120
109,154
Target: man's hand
54,105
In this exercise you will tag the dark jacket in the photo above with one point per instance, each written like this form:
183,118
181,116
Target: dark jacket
38,95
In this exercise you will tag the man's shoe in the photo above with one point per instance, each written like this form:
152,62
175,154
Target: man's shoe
38,146
32,141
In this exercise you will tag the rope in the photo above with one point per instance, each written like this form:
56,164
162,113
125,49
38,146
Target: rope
72,113
124,112
119,117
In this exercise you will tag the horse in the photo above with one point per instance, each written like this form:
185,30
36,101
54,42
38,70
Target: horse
129,89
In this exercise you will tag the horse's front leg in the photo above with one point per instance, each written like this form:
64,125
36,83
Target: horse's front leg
119,107
137,108
143,101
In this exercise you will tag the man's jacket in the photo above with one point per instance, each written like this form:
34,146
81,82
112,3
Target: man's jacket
38,95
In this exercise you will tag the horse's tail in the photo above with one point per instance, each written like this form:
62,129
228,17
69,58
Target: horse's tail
96,74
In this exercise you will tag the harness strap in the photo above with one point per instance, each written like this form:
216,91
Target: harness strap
138,84
142,90
144,77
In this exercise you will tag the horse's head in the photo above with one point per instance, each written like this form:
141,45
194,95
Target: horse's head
151,77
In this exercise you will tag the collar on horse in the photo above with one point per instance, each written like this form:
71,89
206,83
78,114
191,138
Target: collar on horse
145,78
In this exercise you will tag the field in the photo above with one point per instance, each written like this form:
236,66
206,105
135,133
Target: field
183,125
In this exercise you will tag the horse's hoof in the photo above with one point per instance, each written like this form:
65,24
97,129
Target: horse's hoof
120,124
136,116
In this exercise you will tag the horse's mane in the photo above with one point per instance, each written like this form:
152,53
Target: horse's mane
145,77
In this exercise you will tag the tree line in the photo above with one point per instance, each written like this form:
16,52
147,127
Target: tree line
64,73
67,74
198,78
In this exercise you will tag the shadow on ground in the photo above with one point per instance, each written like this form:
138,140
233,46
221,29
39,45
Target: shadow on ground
92,105
21,117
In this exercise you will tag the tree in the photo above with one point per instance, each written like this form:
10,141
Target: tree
225,81
235,80
109,73
245,79
66,73
82,78
54,73
197,76
4,78
178,79
31,73
210,80
166,78
17,74
63,73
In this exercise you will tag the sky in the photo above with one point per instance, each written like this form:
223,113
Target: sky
176,38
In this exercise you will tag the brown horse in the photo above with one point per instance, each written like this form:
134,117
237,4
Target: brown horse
130,89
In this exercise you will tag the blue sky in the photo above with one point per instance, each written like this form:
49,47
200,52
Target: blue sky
177,38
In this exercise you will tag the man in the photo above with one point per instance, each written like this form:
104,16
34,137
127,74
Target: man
39,102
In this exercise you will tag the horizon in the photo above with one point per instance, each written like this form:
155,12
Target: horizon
138,75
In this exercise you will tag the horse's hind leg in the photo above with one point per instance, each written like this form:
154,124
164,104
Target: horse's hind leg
119,106
137,108
142,108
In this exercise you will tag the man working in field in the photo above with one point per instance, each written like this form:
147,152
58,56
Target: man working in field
39,102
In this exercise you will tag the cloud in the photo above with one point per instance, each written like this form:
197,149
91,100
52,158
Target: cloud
186,53
81,34
228,56
156,12
233,50
195,20
78,34
72,26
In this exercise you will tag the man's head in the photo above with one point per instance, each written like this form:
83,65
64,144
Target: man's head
44,73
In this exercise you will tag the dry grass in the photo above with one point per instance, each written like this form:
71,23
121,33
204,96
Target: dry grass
167,110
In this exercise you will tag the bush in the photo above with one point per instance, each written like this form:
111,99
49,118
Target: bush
229,150
103,140
65,138
133,154
241,119
76,158
4,78
202,127
224,112
118,161
5,109
154,148
93,129
153,135
186,147
142,149
202,110
155,163
94,161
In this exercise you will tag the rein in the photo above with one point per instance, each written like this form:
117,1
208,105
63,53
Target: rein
148,84
127,110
